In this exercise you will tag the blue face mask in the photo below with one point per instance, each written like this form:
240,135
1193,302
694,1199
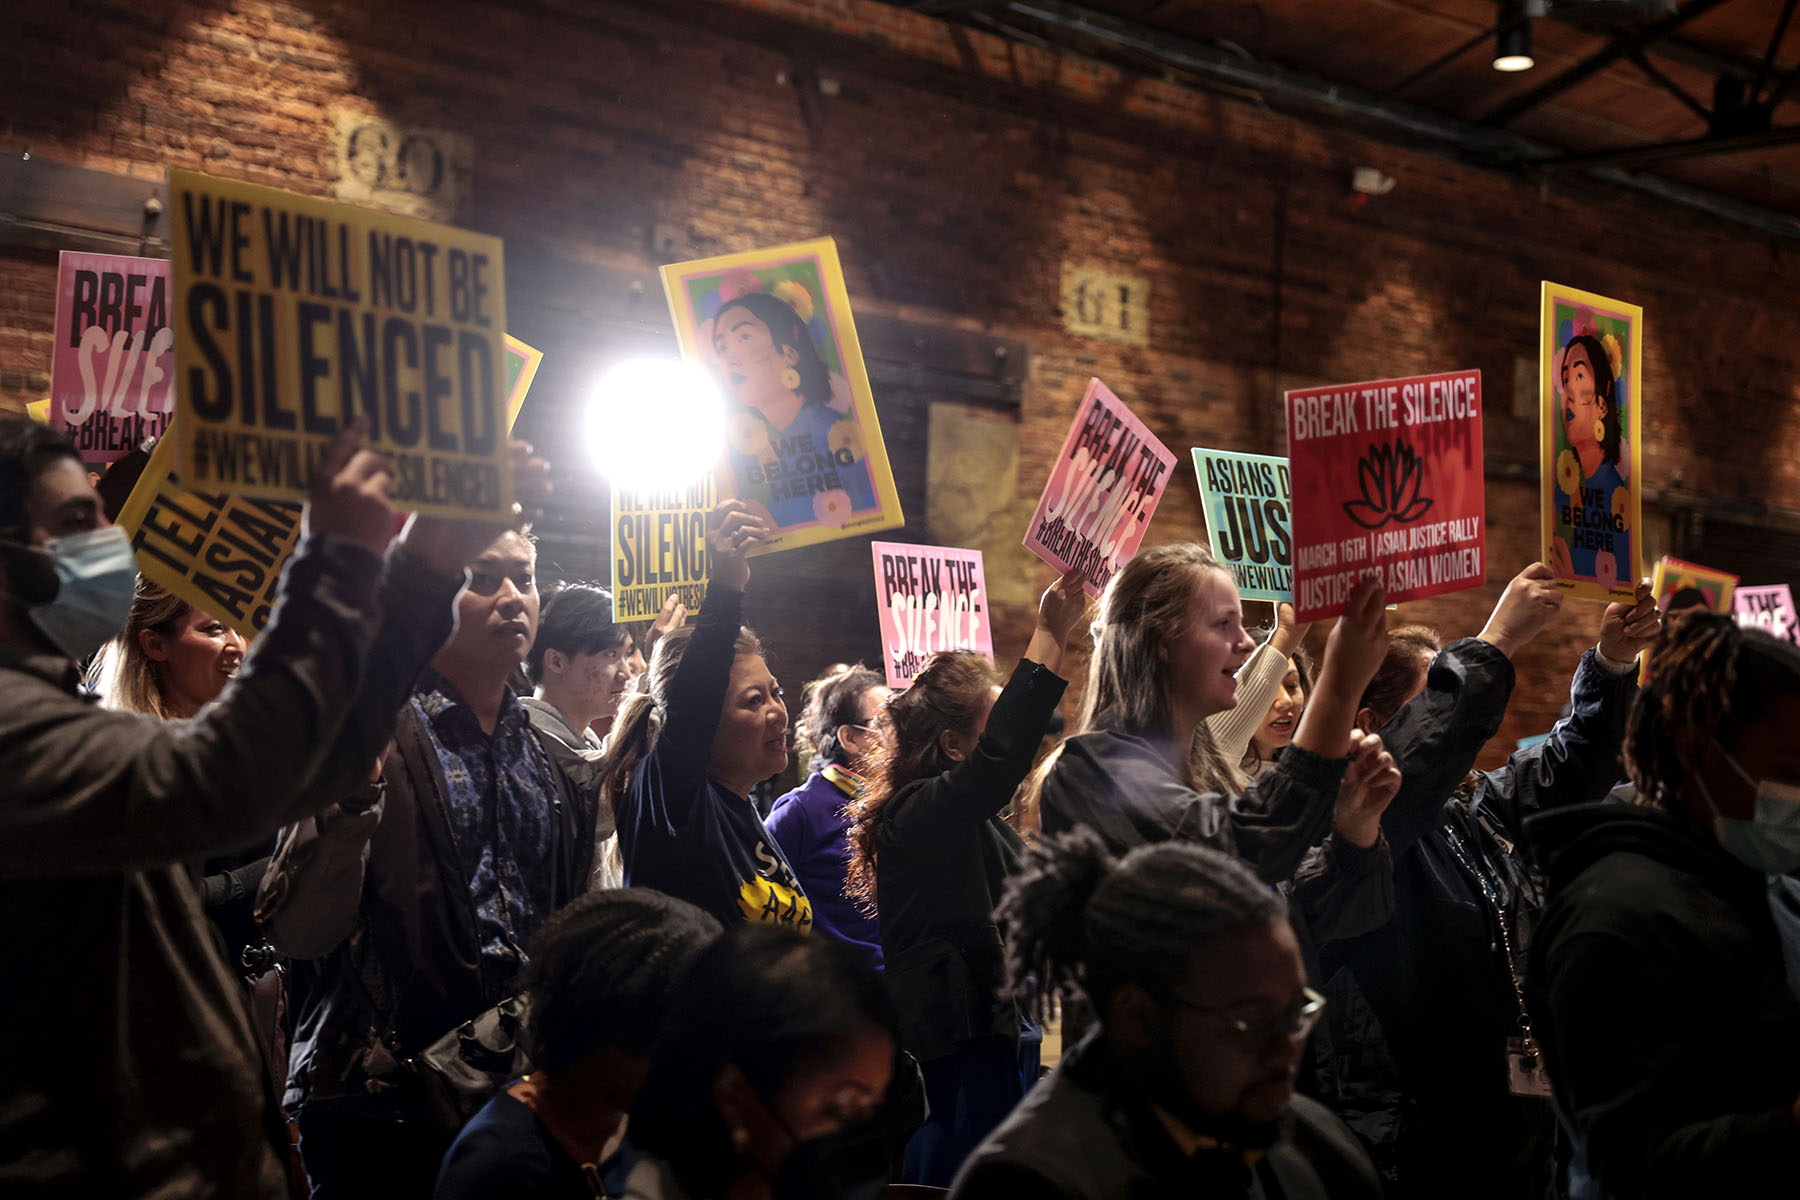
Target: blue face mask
96,575
1770,840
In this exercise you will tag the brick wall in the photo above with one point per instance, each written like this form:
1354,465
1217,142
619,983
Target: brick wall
957,173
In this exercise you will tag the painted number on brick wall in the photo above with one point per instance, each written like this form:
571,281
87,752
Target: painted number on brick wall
1097,303
401,168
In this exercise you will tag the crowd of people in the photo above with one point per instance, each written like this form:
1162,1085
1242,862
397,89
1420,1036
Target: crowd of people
433,890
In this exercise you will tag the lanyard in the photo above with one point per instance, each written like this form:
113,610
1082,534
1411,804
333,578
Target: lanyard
1490,892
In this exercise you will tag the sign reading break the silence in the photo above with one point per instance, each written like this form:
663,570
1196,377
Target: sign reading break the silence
294,316
1245,499
931,598
1104,485
1387,481
112,369
1768,607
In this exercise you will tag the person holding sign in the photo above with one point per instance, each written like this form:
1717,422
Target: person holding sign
1167,649
931,852
101,810
683,758
1431,1054
1659,982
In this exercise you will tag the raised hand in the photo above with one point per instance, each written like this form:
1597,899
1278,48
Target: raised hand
447,544
349,493
1060,612
1353,653
731,530
1626,629
1289,633
672,617
1369,786
1525,607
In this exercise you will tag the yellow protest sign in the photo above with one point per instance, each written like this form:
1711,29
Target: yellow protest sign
294,316
220,553
659,548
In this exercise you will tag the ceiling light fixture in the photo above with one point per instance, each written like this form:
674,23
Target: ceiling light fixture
1512,42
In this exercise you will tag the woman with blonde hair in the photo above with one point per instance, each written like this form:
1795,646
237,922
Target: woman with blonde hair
1168,646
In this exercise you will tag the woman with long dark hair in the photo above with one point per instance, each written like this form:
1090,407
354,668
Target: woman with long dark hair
929,848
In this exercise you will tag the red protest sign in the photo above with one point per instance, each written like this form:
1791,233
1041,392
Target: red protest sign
1105,483
1387,481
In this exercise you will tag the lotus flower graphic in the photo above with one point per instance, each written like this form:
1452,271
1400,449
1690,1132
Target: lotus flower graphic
1390,477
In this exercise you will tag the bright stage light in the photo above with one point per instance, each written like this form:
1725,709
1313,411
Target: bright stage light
655,423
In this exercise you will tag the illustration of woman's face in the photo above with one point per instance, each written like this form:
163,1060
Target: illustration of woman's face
1581,407
750,361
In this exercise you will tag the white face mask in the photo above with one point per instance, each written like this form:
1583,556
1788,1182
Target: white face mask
1770,840
96,576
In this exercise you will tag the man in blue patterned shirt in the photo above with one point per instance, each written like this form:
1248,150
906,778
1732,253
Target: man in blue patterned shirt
419,898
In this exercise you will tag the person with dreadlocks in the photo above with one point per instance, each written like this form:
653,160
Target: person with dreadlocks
602,974
1442,1093
1656,976
931,851
1185,1084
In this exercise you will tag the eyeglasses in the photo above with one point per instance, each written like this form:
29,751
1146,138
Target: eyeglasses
1261,1023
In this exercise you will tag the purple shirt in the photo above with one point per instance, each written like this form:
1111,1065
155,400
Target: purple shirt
810,827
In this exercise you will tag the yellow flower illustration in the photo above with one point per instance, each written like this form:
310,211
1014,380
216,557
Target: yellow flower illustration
1615,355
793,293
747,434
1568,473
846,435
1621,504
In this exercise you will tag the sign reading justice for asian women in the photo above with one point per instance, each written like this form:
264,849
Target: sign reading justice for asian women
1387,481
931,599
294,316
1106,482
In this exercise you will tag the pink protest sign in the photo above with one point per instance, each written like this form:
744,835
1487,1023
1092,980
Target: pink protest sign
1106,482
112,371
930,598
1387,481
1770,608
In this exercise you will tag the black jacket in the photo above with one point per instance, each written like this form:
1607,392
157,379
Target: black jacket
943,858
131,1067
1085,1133
1412,1051
1658,990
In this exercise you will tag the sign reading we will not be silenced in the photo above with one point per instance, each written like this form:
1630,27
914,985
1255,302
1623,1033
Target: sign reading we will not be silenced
1105,484
112,366
930,599
294,316
1245,499
1387,482
659,548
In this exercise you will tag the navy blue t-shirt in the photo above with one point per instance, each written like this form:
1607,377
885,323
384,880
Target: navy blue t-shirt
506,1153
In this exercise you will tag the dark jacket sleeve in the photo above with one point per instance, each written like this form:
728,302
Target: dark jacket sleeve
1578,763
676,766
982,784
1624,1083
92,791
227,887
1344,891
1286,812
1436,736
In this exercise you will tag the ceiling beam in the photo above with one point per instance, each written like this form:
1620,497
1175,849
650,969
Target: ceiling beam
1619,47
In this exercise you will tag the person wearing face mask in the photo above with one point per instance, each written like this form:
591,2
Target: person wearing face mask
837,726
772,1076
1184,1087
134,1071
1656,977
582,664
418,896
684,757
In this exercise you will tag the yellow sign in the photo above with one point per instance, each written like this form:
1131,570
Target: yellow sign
659,549
294,316
222,554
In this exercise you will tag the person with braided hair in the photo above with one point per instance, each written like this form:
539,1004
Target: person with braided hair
1184,1087
1656,974
602,973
